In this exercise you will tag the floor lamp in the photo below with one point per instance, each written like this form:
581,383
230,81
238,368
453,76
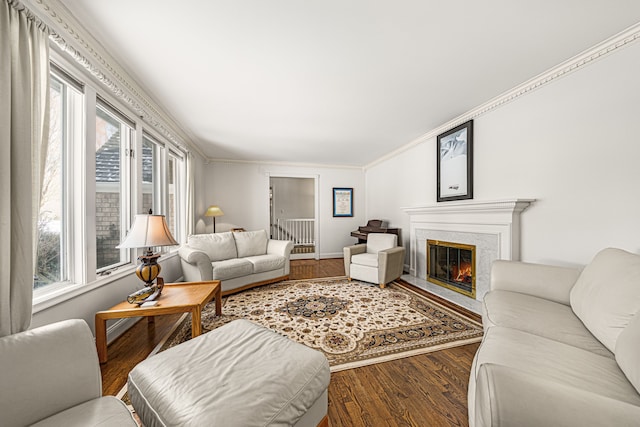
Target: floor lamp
214,211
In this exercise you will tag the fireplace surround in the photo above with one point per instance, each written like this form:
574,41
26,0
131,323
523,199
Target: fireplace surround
493,227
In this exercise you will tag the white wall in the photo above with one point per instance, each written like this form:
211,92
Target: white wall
242,192
200,202
572,145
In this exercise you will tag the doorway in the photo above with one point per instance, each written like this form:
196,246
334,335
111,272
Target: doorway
293,211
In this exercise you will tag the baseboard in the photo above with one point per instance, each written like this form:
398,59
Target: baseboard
119,327
332,255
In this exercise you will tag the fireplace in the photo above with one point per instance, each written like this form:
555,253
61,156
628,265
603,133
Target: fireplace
493,226
452,265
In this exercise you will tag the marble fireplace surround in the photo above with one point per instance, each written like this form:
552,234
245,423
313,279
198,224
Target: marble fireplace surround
492,226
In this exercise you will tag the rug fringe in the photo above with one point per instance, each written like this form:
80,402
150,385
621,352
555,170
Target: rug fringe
392,357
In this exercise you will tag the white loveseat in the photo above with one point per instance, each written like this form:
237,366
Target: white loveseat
561,346
240,260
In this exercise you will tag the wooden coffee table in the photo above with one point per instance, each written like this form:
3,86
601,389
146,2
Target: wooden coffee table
176,298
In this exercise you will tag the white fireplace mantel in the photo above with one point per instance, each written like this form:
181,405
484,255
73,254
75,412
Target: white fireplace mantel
495,221
491,210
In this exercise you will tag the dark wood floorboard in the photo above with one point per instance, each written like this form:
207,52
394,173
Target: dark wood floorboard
424,390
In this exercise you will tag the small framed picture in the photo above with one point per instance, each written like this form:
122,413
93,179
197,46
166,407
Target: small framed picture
342,202
455,163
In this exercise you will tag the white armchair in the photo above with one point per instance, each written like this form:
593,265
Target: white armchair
378,261
51,377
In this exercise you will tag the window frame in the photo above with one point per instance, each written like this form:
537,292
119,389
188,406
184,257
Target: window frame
80,188
71,124
126,183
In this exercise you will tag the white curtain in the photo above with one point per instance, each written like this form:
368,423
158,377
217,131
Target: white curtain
191,192
24,133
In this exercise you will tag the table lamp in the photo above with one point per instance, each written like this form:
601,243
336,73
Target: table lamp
214,211
147,231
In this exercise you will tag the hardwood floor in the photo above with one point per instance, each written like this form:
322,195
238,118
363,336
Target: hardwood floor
424,390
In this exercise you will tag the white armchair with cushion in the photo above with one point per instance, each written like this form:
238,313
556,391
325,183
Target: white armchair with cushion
50,376
378,261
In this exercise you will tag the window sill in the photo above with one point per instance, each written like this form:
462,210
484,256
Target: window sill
59,293
64,292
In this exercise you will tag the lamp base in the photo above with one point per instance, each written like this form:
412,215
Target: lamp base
148,269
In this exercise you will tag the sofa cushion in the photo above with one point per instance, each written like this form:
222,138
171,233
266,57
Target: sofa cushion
251,243
263,263
105,411
539,316
217,246
370,260
555,361
607,294
231,268
628,351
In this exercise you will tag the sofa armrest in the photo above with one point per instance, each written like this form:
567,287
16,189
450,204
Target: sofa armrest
510,397
390,264
196,265
544,281
279,247
348,252
47,370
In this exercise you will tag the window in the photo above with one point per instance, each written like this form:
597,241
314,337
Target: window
113,141
151,166
164,197
53,233
50,267
175,212
74,247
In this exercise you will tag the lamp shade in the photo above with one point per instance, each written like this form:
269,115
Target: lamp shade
214,210
147,231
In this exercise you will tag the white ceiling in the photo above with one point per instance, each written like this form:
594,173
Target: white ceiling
339,82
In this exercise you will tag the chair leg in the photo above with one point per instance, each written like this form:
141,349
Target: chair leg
382,285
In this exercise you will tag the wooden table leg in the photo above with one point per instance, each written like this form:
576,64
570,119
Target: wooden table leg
196,321
101,338
218,298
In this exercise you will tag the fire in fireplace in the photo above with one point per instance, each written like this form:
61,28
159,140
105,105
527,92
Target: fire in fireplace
452,265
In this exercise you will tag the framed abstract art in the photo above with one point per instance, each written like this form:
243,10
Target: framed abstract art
455,163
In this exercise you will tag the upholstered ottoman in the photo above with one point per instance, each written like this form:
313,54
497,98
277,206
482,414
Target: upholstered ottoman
240,374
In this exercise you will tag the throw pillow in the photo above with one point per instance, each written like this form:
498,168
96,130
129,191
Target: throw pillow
251,243
217,246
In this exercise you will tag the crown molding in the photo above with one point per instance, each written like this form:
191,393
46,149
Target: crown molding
73,39
610,45
288,164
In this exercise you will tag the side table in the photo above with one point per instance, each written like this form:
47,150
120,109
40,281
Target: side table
187,297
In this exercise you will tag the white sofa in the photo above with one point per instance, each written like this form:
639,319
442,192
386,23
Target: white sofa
50,376
561,346
240,260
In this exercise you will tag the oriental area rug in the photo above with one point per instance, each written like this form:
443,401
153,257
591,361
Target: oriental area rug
353,323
